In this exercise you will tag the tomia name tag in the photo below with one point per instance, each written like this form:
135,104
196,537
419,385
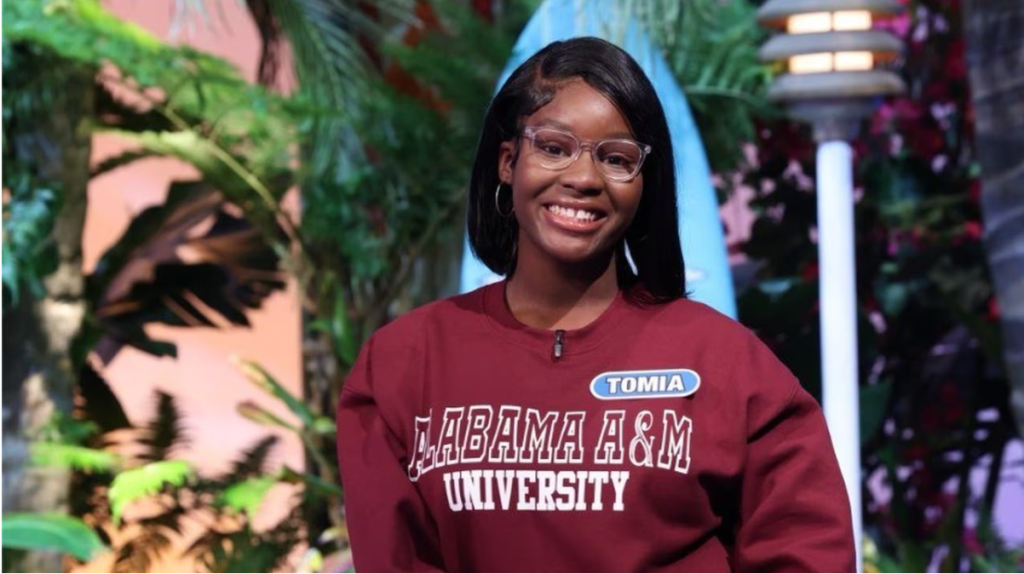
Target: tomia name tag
645,384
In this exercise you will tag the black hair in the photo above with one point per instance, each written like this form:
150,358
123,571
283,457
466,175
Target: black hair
653,236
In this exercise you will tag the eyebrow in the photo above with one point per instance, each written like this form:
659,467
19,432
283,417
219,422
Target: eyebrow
565,127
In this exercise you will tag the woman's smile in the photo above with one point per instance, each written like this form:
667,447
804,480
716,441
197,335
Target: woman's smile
578,218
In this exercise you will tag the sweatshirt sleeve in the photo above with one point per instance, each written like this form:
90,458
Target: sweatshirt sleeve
794,509
389,526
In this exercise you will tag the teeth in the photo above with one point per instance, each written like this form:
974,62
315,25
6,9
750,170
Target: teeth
579,214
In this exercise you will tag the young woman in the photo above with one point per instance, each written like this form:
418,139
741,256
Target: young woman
582,415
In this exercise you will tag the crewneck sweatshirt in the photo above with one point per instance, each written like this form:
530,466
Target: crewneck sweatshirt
657,438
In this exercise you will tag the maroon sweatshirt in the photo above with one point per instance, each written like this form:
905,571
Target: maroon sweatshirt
658,438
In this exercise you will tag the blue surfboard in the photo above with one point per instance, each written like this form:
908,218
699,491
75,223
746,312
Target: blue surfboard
708,277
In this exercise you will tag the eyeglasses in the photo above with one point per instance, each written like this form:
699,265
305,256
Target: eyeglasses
616,159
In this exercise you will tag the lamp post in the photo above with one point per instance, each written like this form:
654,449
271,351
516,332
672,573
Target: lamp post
831,51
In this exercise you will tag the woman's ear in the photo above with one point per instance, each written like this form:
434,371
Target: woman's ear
506,161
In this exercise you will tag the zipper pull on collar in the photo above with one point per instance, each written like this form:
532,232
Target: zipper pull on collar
559,344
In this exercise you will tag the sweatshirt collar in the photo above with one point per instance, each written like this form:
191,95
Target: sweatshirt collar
576,341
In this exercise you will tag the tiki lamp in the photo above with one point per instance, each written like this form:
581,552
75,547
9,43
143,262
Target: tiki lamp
832,79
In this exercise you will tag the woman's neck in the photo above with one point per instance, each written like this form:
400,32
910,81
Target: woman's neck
560,298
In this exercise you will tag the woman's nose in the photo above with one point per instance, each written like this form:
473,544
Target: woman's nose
583,174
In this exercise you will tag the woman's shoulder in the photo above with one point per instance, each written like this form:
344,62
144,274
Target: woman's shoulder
691,314
706,330
723,339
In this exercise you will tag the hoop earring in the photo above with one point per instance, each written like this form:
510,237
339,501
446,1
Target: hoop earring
497,205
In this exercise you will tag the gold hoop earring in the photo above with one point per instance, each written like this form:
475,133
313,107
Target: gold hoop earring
497,204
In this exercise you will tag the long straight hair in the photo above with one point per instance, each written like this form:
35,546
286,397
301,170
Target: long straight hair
653,236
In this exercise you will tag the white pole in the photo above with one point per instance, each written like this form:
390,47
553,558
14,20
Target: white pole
837,272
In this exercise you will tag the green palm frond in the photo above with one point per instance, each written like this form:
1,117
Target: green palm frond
377,217
332,66
51,532
711,47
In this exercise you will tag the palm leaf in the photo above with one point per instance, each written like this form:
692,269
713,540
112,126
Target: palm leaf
711,47
260,415
265,381
99,404
314,484
157,230
119,161
143,278
333,69
51,532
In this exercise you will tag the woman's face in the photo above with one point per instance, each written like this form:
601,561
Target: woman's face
575,215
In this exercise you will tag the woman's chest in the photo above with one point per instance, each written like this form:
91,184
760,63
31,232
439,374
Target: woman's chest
577,436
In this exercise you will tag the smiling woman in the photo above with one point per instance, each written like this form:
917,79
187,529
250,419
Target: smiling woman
582,414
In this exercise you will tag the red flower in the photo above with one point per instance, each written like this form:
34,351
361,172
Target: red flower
956,66
971,543
907,110
881,120
993,309
972,230
928,141
937,91
810,271
916,452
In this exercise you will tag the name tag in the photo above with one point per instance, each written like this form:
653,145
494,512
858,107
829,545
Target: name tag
645,384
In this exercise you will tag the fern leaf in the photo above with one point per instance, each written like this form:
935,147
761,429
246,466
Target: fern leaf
165,430
147,480
247,496
74,457
252,460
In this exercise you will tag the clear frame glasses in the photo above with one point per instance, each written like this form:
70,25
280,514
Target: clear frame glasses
616,159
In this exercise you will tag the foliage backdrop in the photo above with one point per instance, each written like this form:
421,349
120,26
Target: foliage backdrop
380,137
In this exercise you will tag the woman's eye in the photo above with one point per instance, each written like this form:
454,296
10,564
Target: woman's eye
552,148
616,160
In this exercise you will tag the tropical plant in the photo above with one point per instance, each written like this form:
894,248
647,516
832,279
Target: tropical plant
381,231
383,197
51,532
327,547
43,146
99,78
383,128
115,478
711,47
